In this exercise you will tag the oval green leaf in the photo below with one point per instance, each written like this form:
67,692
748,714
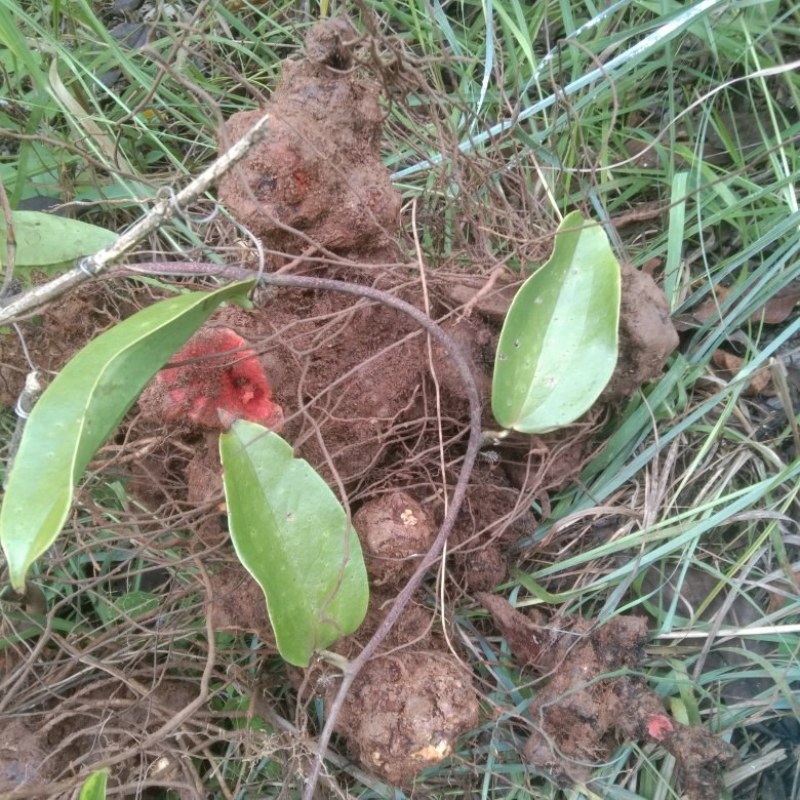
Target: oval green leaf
80,409
94,787
293,536
558,347
47,240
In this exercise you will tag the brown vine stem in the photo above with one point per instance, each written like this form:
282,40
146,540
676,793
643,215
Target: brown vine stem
459,492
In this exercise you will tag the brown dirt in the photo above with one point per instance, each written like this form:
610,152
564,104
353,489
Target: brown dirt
318,172
341,414
92,722
416,630
237,604
22,757
495,515
580,716
63,328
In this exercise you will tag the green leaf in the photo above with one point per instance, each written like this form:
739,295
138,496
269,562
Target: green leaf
558,347
94,787
80,409
46,240
293,536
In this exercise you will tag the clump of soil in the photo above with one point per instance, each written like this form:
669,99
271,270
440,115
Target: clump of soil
406,711
317,175
646,334
495,515
410,704
63,328
414,629
580,716
348,383
395,533
204,473
237,604
477,342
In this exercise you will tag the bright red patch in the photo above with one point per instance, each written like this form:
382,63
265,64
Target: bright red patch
301,182
658,726
220,373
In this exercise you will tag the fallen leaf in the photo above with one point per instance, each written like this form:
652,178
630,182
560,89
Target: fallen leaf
773,312
729,366
779,306
709,308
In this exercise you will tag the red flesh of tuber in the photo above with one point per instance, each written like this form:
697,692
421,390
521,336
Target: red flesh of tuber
659,726
217,373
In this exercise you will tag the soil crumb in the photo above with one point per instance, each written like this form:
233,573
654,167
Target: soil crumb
317,175
580,716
